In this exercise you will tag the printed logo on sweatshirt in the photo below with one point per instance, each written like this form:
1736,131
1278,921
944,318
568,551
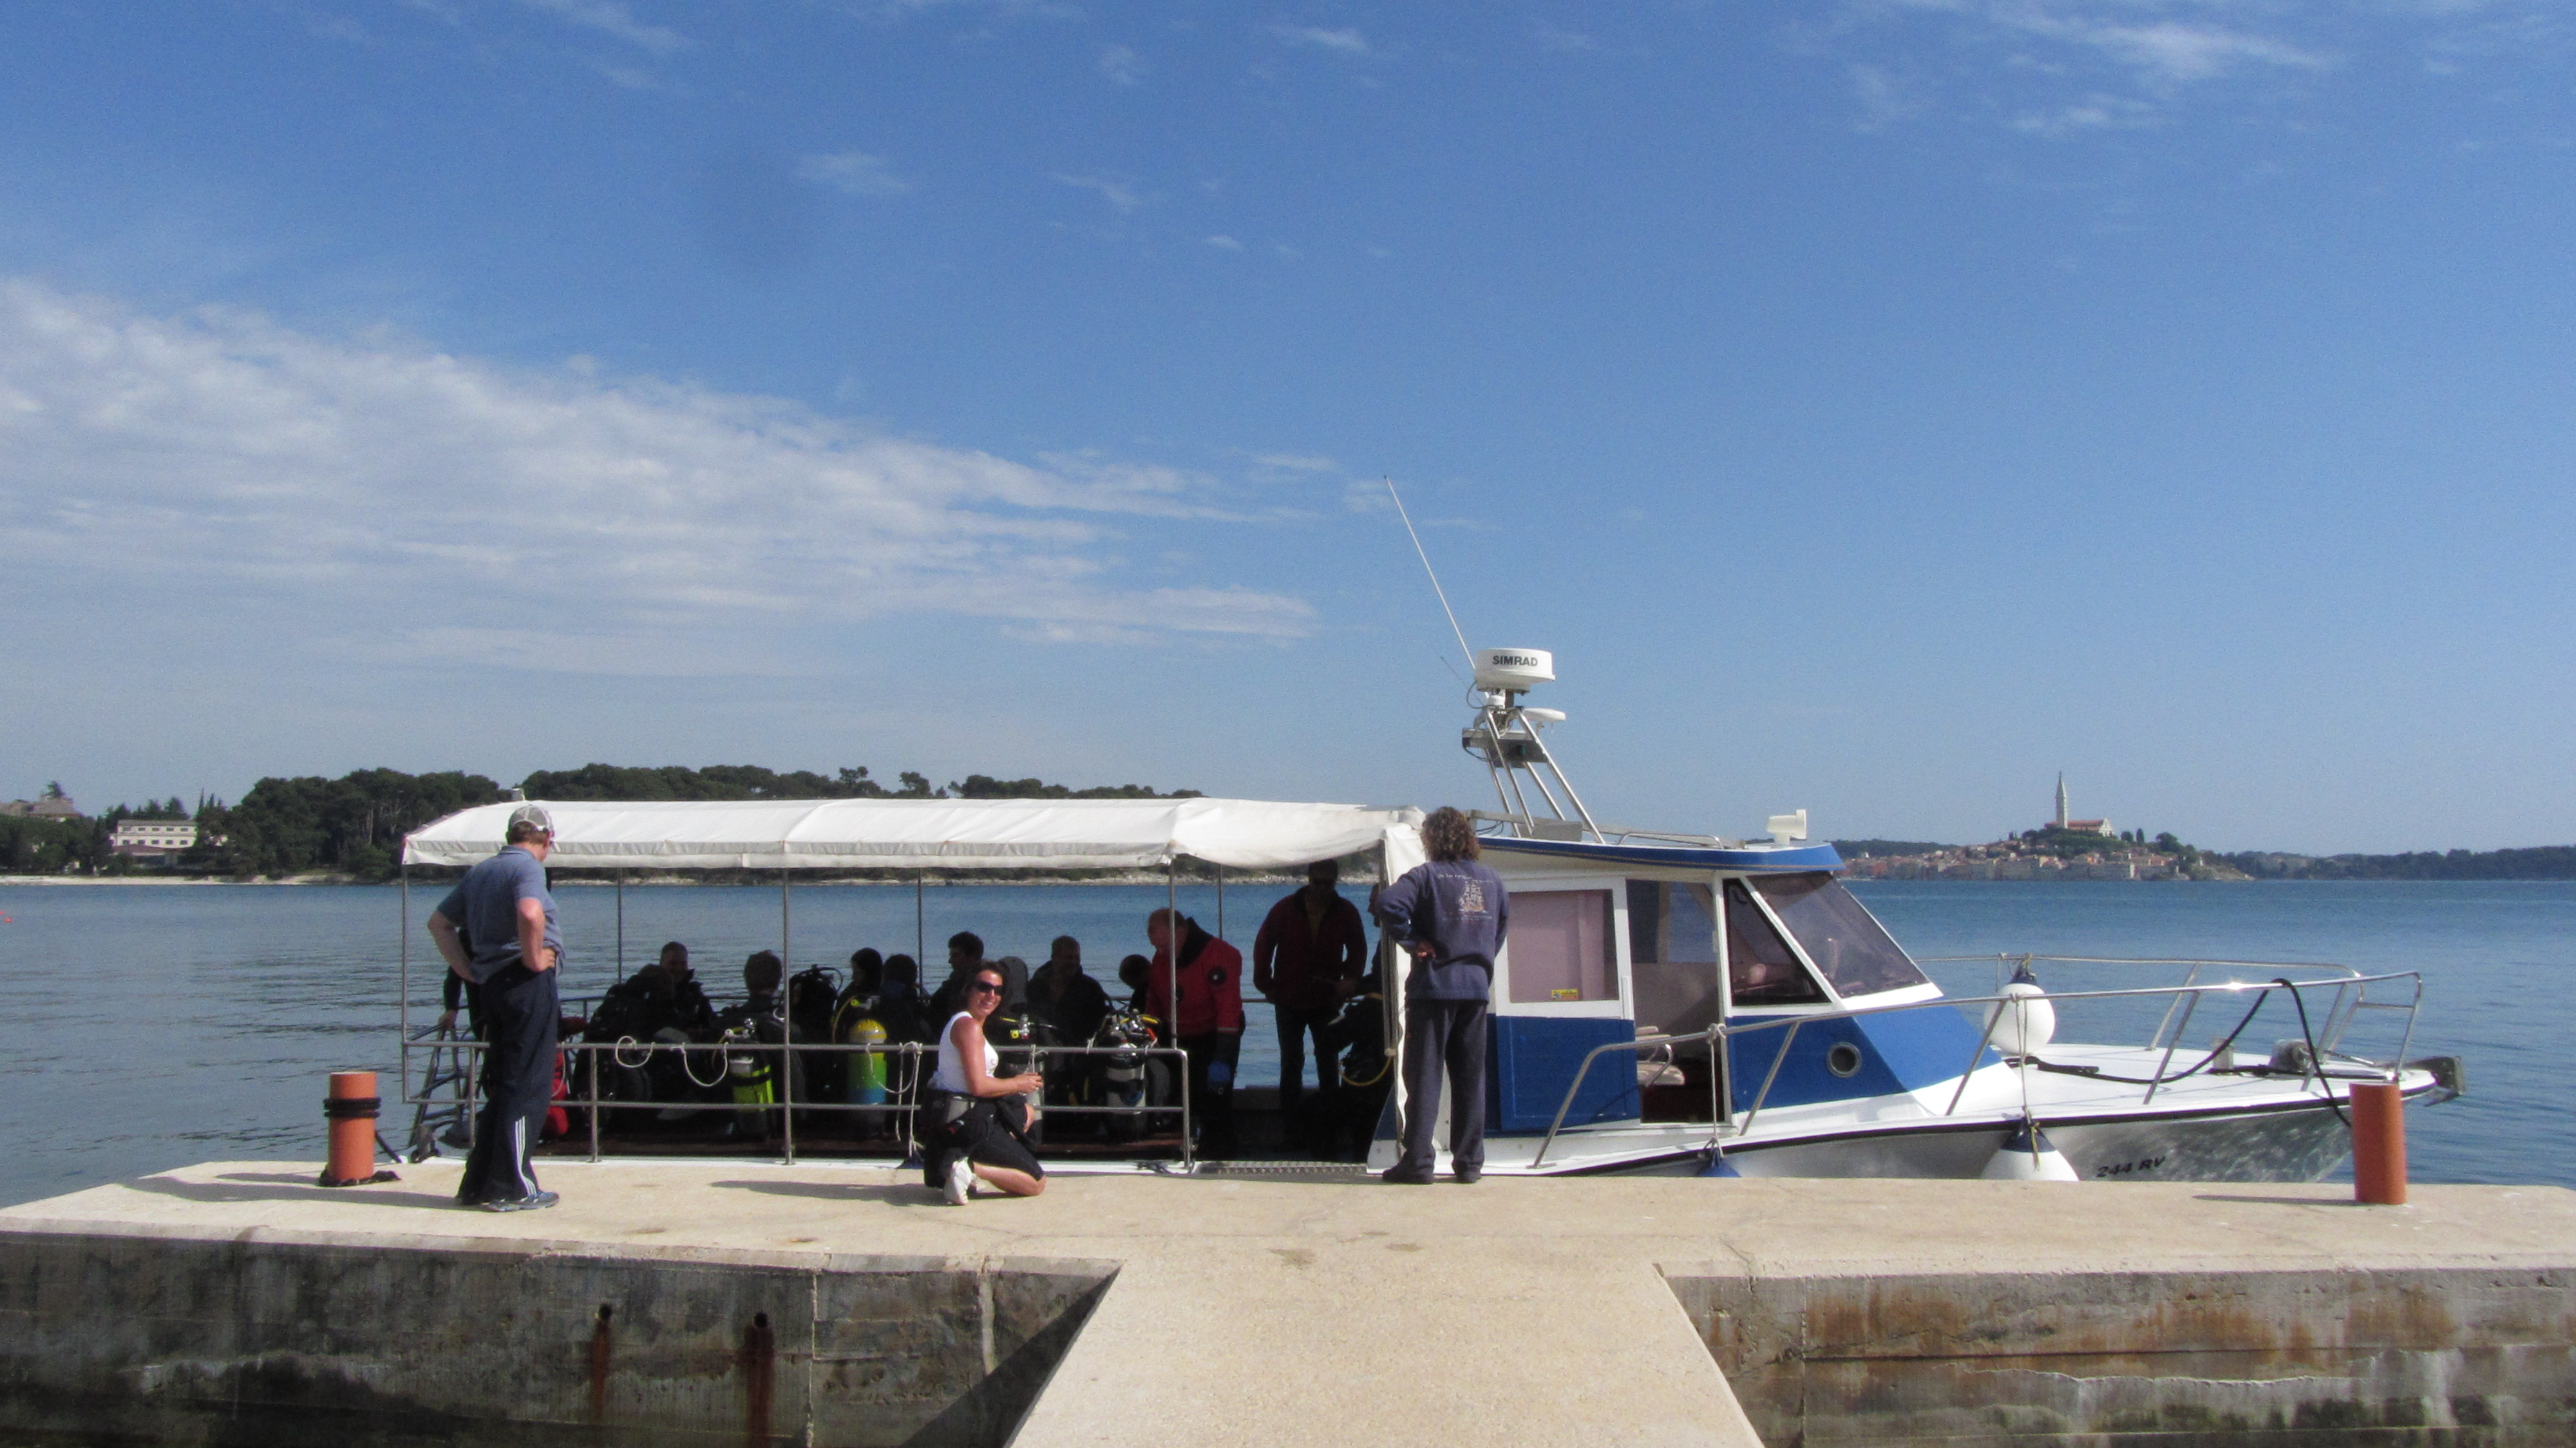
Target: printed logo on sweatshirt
1471,897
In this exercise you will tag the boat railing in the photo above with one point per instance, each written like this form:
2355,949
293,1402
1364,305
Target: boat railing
452,1056
2349,987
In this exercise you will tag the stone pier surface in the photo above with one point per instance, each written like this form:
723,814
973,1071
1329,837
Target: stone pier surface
740,1302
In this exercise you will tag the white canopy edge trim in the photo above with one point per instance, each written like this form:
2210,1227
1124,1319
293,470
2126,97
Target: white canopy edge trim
924,834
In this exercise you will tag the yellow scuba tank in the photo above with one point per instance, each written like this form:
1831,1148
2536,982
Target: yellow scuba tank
866,1081
747,1069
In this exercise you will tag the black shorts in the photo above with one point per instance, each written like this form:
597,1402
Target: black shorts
982,1135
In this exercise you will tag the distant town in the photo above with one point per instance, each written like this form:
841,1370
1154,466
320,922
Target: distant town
2062,849
2065,848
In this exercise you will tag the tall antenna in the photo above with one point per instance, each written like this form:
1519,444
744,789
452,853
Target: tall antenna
1463,651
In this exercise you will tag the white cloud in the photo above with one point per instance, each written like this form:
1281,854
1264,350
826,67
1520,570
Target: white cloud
2085,50
2172,51
612,18
1117,193
855,172
1225,243
2093,113
388,490
1122,64
1348,42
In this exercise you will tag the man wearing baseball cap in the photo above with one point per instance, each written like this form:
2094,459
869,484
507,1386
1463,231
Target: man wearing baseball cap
497,930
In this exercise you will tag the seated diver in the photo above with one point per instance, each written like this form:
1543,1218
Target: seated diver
1069,1006
970,1138
856,1021
904,1011
760,1020
1358,1038
660,1008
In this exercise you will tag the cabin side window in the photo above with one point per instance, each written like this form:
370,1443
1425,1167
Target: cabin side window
1560,947
1672,955
1856,954
1761,970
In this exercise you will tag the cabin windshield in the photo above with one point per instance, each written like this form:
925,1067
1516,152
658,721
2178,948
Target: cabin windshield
1856,954
1761,970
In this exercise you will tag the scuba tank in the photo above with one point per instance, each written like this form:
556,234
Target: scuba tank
752,1079
808,1017
864,1079
748,1071
1123,1077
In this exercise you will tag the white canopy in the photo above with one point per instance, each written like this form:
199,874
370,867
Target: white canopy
948,834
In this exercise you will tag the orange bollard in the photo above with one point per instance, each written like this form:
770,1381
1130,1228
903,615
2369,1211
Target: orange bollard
2378,1144
351,1111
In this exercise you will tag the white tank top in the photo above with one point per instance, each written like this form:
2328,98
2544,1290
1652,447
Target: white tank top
951,1075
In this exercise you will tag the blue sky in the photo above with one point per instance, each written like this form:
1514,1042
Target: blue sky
1878,407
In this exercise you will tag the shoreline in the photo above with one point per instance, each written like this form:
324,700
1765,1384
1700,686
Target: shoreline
1124,877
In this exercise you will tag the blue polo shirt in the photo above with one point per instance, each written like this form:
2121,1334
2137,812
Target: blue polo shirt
485,905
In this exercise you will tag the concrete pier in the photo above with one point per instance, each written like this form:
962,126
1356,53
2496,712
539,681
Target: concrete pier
738,1302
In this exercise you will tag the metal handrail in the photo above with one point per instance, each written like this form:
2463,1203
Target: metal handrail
1792,1023
2194,961
1641,1043
1790,1026
911,1050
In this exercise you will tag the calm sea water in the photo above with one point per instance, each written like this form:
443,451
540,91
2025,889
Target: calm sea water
147,1027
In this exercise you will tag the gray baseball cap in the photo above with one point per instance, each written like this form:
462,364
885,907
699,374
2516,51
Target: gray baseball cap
529,814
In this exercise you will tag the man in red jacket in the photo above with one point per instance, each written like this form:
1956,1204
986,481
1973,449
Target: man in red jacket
1306,961
1206,1019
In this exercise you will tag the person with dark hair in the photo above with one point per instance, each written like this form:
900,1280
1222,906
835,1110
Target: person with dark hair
1131,974
970,1138
503,907
662,1003
965,957
1450,914
1307,959
1357,1039
905,1013
1197,992
760,1020
1067,1000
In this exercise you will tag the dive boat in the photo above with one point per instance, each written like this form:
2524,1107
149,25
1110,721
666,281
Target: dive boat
1672,1002
1664,1002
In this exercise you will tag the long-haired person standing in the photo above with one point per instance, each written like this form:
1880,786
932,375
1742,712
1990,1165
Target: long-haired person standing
1449,914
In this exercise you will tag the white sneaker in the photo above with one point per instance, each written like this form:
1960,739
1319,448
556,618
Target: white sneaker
961,1182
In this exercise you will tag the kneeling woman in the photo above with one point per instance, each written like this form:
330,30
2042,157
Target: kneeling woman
977,1121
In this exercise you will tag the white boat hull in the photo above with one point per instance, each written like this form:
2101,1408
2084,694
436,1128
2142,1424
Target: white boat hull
2198,1136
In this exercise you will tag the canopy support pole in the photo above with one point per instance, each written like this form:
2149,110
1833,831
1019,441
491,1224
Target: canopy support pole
1220,902
403,971
1172,998
920,929
786,1025
621,929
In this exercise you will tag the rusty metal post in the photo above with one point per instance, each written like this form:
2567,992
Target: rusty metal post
2378,1144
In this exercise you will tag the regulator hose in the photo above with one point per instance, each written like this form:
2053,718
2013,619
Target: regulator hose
2098,1074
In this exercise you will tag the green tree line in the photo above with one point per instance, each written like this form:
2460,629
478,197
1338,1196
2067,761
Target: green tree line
2546,862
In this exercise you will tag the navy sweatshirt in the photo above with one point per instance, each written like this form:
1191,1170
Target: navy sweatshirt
1459,908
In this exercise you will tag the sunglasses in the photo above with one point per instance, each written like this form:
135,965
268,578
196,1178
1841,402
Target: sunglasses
983,986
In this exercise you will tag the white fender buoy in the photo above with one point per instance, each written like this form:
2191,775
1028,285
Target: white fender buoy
2024,1021
2027,1156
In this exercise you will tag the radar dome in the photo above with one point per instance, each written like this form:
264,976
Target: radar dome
1514,671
